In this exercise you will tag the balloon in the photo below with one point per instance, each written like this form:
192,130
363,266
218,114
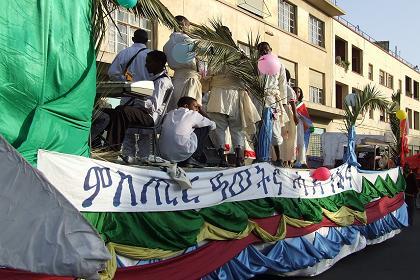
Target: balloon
401,115
127,3
182,53
321,174
269,64
350,99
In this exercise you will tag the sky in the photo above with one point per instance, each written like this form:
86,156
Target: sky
388,20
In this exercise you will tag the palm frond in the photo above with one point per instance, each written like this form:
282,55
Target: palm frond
215,45
369,99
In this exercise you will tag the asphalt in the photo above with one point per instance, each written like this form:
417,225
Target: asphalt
395,259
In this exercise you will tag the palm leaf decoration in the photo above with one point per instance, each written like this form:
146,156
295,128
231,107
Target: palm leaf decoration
153,10
214,45
369,99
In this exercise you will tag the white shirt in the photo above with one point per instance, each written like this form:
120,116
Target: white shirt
177,38
178,141
163,85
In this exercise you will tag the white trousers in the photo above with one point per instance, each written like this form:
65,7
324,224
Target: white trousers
235,128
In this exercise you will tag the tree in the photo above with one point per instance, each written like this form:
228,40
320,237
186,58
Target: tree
358,105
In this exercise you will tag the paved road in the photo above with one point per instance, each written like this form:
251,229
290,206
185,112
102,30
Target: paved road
395,259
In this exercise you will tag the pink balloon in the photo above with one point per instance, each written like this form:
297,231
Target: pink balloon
269,64
321,174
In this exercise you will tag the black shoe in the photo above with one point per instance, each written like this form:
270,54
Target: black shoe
190,163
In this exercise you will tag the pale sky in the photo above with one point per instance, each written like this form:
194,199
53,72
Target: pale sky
388,20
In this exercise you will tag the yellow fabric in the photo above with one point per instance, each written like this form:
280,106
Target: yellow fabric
343,217
211,232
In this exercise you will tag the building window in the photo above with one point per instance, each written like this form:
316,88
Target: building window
254,6
400,86
287,16
291,67
382,115
390,81
357,60
408,91
341,52
370,72
381,77
127,23
316,87
244,48
416,90
416,120
316,95
371,114
341,91
410,118
316,31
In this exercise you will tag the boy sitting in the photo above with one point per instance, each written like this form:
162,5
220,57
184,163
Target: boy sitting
184,131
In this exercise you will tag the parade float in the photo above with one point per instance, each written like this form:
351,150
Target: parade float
65,215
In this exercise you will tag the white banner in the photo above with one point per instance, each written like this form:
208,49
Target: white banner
98,186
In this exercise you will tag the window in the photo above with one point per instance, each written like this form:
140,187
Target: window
371,114
245,48
381,77
287,16
410,118
316,87
416,90
341,91
254,6
340,51
400,86
291,67
390,81
408,91
356,60
416,120
316,31
127,23
370,72
316,95
382,115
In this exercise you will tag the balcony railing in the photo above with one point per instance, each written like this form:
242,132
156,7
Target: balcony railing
356,29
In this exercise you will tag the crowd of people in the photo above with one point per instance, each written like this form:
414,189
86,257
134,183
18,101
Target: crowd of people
187,124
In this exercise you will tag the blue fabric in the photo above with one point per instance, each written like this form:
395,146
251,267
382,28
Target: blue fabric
298,253
264,136
350,154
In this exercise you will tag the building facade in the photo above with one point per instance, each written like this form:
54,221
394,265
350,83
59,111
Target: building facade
327,57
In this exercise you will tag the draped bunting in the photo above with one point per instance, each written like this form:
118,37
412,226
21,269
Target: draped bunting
270,229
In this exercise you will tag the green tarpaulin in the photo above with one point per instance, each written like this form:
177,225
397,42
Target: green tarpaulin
47,75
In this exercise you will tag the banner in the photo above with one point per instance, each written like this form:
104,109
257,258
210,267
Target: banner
98,186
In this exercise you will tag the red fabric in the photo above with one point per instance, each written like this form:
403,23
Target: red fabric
211,256
11,274
404,141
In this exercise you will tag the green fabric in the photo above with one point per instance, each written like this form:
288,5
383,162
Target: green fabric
179,230
47,75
